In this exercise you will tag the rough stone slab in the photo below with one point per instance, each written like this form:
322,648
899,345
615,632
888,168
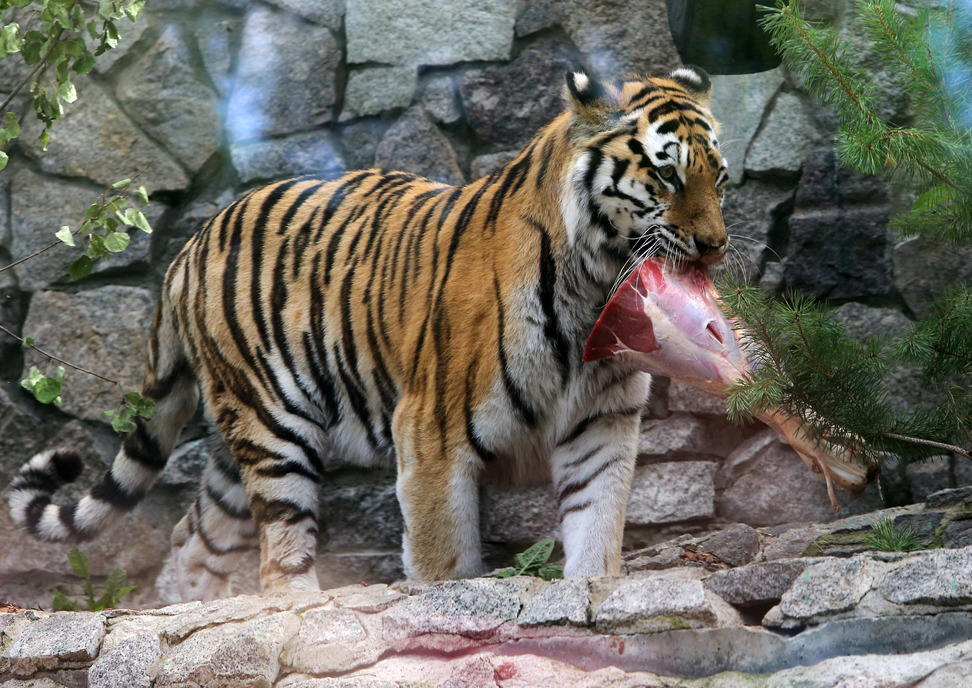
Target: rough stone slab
671,492
788,133
739,103
560,602
428,32
187,622
132,663
535,507
332,641
366,598
653,605
483,165
506,105
96,140
165,98
414,144
238,654
951,497
684,398
311,152
58,641
376,89
751,212
757,583
216,35
735,545
473,608
828,587
958,534
262,104
325,12
363,516
440,100
101,328
940,577
924,268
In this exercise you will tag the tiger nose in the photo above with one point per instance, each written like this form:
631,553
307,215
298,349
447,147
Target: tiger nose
710,253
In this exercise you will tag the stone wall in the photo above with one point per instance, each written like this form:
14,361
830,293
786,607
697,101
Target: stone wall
205,100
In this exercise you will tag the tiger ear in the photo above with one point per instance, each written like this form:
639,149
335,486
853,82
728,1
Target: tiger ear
591,103
694,80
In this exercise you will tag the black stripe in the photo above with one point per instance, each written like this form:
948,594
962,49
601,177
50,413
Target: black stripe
228,509
523,410
547,294
110,492
143,448
484,452
162,387
545,153
574,487
280,469
295,206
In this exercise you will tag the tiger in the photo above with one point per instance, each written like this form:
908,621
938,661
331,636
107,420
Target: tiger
394,320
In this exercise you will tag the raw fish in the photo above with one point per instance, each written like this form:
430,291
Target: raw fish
669,322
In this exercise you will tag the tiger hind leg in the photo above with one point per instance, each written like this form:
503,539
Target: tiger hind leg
210,540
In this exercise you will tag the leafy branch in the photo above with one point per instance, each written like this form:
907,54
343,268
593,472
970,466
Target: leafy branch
113,593
533,562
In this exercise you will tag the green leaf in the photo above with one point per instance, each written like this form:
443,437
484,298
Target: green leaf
81,268
62,603
3,159
505,573
79,563
67,91
66,235
45,139
535,555
33,377
143,196
116,242
551,572
29,341
133,8
84,64
139,220
47,390
122,423
121,184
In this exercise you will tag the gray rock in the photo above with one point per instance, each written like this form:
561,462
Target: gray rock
684,398
559,602
827,587
371,90
535,507
924,268
164,97
366,598
103,329
362,517
483,165
132,663
58,641
506,105
619,38
345,568
739,103
422,32
751,212
311,152
331,641
129,35
940,577
735,545
684,434
653,604
773,487
440,100
216,36
537,15
96,140
414,144
238,654
839,237
758,583
264,104
360,141
944,498
958,534
930,476
473,608
324,12
672,492
783,141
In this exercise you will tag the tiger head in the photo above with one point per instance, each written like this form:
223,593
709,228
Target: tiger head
648,175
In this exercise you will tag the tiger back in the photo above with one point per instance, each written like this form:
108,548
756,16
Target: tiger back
382,317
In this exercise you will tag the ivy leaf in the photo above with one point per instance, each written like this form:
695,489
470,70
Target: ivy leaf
81,268
535,555
66,235
116,242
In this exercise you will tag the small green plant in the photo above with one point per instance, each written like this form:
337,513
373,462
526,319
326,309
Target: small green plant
115,589
533,562
886,537
136,406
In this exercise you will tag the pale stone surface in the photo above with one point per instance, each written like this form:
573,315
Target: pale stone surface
311,152
414,144
132,663
535,508
371,90
671,492
828,587
559,602
757,583
331,641
57,641
263,104
939,577
654,605
784,139
101,328
425,32
440,100
96,140
739,103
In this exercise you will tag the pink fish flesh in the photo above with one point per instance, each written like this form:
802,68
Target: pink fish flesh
669,323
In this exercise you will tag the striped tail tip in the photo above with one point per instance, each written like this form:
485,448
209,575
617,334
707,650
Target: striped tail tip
31,490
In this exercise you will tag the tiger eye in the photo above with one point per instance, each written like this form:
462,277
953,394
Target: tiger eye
666,171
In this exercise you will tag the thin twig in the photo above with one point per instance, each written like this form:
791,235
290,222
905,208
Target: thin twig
59,360
929,443
40,67
32,255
